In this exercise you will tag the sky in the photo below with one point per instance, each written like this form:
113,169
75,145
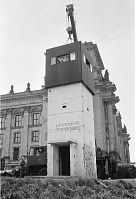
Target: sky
29,27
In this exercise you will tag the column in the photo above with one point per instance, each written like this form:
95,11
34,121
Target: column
55,160
43,136
24,136
73,159
7,135
115,129
107,144
98,123
123,150
128,154
111,128
50,160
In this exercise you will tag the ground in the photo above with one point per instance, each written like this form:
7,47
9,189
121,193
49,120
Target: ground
66,188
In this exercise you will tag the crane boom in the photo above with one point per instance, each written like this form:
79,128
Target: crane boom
70,11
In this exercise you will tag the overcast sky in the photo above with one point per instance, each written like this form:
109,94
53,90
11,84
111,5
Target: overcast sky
29,27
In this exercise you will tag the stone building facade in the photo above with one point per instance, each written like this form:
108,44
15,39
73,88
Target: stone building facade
24,117
110,135
23,123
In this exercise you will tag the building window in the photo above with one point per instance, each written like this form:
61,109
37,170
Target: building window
16,154
36,119
87,63
35,136
2,122
1,138
53,60
17,137
91,68
17,120
72,56
63,58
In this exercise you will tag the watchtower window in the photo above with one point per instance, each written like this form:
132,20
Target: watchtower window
53,60
87,63
63,58
72,56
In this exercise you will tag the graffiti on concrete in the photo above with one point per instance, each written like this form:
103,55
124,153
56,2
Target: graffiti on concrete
68,126
89,161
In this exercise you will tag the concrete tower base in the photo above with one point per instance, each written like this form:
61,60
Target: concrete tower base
71,141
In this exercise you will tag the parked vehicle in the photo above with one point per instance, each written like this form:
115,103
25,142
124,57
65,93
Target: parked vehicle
37,161
6,172
109,165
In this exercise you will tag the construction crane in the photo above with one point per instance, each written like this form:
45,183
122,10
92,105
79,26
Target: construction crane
72,29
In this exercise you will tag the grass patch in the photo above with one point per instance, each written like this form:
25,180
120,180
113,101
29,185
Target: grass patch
75,188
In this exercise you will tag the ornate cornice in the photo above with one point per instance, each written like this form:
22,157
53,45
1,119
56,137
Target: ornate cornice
108,87
111,100
126,137
38,94
21,110
105,86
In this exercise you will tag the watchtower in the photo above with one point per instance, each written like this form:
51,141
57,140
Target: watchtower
71,140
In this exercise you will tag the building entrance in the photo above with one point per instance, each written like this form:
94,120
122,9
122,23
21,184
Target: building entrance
64,160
